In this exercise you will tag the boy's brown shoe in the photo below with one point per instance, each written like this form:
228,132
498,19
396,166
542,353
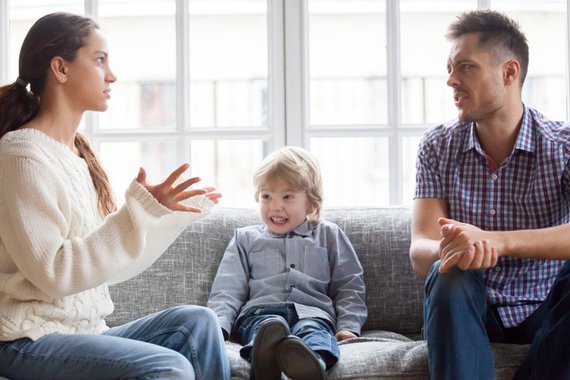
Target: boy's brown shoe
263,362
298,361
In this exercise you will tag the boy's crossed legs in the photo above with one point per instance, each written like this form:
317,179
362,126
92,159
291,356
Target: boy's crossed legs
275,340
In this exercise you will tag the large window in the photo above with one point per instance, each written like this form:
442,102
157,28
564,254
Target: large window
220,84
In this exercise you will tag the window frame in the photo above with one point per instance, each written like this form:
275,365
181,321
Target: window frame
288,89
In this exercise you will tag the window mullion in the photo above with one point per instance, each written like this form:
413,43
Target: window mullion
296,72
91,9
394,101
182,79
276,87
567,60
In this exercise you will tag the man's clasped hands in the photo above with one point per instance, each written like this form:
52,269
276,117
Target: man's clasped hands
466,246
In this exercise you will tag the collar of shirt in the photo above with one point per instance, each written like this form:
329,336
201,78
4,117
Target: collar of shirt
525,138
304,229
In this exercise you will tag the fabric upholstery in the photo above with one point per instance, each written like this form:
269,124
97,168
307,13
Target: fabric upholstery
389,346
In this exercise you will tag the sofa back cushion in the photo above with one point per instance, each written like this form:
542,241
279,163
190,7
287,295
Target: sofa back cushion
184,274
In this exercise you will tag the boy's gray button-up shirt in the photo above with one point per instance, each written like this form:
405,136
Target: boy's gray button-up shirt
313,267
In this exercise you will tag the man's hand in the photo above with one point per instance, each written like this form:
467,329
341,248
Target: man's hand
466,246
172,196
344,335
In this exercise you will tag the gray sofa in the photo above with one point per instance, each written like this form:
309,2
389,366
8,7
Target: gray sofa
390,345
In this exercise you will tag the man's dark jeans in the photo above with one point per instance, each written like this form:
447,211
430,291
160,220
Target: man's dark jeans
459,324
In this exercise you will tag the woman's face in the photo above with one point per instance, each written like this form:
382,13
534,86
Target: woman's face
89,76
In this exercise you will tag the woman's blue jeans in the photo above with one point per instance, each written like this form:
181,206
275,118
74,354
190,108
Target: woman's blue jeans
459,326
183,342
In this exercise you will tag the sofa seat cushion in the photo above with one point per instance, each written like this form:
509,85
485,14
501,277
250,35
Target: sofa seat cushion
387,355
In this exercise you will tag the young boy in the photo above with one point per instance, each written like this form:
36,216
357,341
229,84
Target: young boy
294,283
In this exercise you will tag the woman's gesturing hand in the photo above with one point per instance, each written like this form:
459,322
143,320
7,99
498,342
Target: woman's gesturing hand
171,196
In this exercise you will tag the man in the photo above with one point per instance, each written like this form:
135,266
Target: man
490,221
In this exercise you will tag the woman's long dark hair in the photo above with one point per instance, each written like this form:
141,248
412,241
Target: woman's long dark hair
62,35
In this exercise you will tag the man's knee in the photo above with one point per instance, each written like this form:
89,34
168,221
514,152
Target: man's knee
453,284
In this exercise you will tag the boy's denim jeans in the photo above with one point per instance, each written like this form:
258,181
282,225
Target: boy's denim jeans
183,342
459,324
317,333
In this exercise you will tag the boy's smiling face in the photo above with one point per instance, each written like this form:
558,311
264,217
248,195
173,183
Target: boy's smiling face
282,208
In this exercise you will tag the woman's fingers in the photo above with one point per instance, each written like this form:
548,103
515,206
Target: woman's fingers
186,184
214,197
175,174
188,194
172,196
141,177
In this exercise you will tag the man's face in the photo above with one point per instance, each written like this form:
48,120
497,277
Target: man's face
476,79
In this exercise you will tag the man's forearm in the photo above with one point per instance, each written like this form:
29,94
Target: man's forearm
423,253
547,243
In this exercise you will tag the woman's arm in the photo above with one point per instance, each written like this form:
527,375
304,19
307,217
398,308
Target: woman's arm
54,235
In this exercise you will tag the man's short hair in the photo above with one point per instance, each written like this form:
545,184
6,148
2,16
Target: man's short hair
498,33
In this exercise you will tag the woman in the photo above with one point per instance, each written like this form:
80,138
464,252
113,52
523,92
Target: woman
62,240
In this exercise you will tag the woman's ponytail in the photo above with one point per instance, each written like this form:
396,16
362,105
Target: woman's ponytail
17,106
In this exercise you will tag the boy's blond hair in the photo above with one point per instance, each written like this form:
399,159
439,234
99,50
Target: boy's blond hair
297,168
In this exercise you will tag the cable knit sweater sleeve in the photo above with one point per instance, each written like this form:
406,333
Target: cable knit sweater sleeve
159,238
50,228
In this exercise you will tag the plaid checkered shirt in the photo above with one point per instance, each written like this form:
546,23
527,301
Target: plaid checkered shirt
530,189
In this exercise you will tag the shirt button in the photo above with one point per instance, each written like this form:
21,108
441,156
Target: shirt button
493,212
498,269
292,265
494,177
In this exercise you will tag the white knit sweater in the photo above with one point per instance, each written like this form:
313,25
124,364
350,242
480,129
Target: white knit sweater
56,253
